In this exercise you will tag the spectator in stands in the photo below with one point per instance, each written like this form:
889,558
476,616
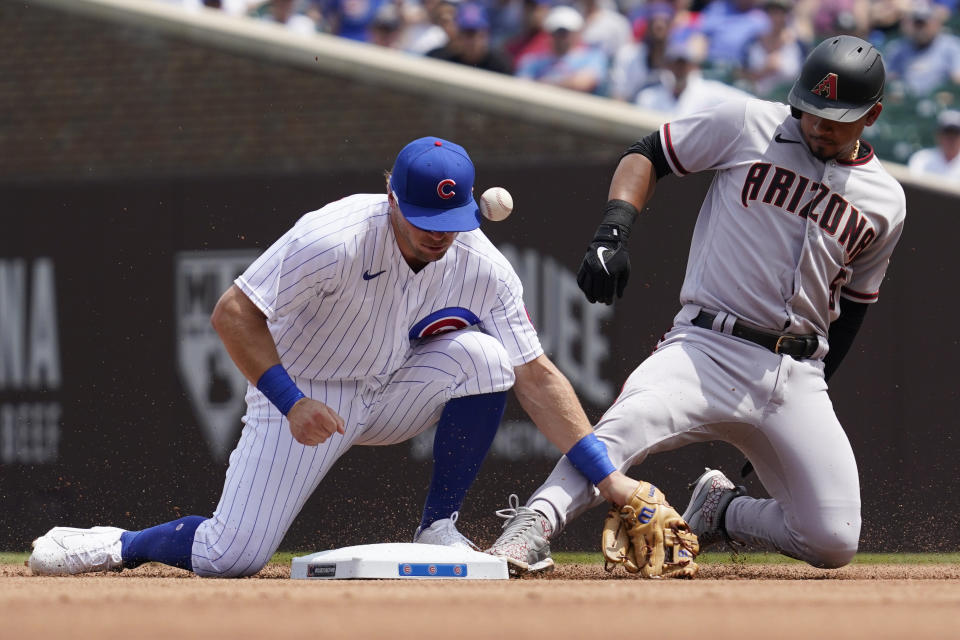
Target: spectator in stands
729,26
944,159
231,7
682,89
386,27
288,13
886,16
943,9
470,44
349,18
506,21
774,59
604,26
636,63
570,63
830,17
532,37
925,58
431,27
686,21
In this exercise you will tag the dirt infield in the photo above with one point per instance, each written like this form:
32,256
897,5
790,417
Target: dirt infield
740,602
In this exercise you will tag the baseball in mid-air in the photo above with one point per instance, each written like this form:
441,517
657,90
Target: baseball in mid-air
496,204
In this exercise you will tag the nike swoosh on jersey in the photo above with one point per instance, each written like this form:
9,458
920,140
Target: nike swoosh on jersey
782,140
370,276
603,264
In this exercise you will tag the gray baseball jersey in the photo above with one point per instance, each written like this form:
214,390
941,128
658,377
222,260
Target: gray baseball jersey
781,234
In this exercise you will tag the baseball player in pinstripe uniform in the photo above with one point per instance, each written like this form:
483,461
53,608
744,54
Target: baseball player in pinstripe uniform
371,320
790,248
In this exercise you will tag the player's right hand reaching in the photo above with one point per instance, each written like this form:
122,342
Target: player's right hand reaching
606,266
312,422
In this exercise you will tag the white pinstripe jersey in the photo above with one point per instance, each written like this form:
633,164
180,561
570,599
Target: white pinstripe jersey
781,234
342,303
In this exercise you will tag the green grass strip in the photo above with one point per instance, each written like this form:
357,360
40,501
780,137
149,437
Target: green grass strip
13,557
906,558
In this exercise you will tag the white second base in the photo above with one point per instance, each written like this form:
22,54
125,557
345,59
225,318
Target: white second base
399,561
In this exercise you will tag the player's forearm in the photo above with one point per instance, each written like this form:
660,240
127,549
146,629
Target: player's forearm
547,397
243,329
633,181
842,332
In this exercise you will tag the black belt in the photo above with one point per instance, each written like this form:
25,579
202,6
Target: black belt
787,344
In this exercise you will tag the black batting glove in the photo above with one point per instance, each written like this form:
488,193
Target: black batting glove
606,266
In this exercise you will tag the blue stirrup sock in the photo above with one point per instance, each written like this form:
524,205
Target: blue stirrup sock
170,543
465,432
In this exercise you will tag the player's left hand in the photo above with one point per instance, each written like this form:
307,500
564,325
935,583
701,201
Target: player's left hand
606,266
312,422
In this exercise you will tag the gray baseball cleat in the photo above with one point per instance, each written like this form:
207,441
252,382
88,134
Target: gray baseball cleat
712,494
444,533
525,541
67,551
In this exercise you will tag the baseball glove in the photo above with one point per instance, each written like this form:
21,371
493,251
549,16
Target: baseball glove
649,537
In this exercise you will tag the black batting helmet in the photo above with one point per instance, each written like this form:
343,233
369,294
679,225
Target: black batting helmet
841,80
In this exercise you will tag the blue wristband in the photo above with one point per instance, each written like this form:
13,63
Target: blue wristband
590,458
280,389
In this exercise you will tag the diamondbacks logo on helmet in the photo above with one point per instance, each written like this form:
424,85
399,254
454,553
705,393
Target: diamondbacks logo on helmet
445,189
827,87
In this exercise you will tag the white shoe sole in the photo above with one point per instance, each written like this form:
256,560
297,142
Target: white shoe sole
516,568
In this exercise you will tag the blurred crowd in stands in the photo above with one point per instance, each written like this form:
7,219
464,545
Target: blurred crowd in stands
672,56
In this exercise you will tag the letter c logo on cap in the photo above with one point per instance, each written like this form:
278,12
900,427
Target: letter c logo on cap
445,189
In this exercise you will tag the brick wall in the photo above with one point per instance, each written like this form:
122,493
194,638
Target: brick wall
89,99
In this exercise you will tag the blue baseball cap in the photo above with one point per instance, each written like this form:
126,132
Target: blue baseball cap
472,17
432,180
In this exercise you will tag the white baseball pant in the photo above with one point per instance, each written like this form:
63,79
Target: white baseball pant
271,475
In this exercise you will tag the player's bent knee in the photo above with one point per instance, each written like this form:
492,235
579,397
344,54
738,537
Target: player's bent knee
832,548
484,360
832,557
228,568
228,558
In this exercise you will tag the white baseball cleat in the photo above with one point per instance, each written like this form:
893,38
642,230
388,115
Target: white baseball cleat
525,541
67,551
444,533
